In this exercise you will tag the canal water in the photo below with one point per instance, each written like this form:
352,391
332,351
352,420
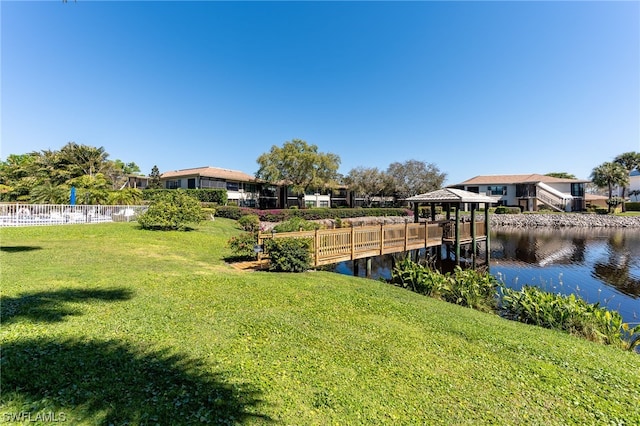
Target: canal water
598,264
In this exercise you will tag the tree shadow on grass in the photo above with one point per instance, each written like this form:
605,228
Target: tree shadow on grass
51,306
18,249
108,382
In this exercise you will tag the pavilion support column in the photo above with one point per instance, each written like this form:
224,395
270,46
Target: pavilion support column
416,210
433,212
368,267
457,207
474,250
487,230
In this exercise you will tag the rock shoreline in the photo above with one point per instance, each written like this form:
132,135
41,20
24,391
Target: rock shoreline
561,220
566,220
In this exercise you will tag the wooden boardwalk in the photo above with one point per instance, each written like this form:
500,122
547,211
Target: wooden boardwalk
343,244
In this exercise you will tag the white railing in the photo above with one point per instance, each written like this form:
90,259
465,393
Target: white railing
18,214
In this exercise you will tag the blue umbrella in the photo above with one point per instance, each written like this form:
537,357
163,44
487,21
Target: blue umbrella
72,196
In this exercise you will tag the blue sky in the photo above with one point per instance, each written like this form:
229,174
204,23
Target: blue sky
473,87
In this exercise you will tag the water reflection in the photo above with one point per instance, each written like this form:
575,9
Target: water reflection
601,265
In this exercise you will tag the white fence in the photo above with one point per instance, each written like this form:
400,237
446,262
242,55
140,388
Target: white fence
16,214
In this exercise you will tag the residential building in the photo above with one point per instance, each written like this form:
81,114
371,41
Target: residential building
530,192
242,189
135,181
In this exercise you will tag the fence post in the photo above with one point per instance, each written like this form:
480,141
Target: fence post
353,241
316,248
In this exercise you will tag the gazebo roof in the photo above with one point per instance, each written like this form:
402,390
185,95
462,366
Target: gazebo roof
451,195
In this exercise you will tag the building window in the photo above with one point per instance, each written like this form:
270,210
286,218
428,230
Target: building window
233,186
497,190
173,184
324,203
310,204
577,189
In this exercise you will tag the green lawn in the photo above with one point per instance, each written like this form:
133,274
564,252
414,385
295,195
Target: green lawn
109,324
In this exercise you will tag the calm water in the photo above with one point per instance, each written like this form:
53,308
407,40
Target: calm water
599,265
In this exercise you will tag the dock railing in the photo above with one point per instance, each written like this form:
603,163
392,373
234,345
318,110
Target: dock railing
343,244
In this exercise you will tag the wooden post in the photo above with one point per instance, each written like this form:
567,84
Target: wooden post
316,248
426,235
416,209
457,235
433,212
353,241
488,239
406,235
368,267
474,250
381,238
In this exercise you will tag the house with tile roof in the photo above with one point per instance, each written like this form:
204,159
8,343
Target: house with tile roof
242,188
530,192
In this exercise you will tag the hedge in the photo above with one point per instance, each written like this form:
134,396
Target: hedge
280,215
632,206
217,196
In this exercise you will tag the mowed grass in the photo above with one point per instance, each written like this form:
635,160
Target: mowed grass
109,324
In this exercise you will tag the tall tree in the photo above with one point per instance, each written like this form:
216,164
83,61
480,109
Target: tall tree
84,159
608,175
369,182
415,177
630,161
299,165
154,178
561,175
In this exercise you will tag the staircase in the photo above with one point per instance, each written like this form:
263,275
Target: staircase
552,197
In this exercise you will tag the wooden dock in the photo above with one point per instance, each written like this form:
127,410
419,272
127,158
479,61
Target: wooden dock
344,244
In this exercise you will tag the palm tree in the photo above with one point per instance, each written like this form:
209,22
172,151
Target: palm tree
48,193
608,175
630,161
126,196
84,159
92,189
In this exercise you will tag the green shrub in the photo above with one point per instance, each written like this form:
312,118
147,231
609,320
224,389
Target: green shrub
632,206
173,210
208,195
416,277
531,305
250,223
296,224
229,212
472,289
209,213
464,287
289,254
280,215
243,245
507,210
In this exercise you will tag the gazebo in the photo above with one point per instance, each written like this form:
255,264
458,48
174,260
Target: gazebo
448,197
